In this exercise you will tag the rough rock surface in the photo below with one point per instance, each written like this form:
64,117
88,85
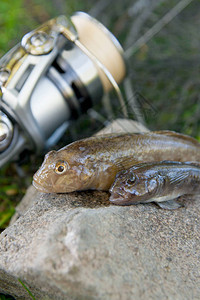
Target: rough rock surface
79,246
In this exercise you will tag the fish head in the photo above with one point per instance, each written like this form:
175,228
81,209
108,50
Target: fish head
135,187
59,173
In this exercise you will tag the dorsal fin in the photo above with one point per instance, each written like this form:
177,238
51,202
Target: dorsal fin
123,163
193,163
179,136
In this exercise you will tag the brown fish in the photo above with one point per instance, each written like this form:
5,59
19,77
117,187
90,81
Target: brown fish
160,182
93,163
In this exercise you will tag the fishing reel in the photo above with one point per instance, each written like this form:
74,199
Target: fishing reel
54,75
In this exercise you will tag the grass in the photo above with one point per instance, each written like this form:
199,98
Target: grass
25,287
5,297
12,189
166,72
13,23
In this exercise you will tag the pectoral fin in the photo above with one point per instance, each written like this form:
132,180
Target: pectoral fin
123,163
170,204
178,177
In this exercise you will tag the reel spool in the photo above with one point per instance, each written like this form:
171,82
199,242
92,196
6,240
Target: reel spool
54,75
103,45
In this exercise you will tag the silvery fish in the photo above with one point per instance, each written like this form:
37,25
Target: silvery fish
93,163
159,182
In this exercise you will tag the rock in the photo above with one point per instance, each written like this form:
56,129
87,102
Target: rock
79,246
24,205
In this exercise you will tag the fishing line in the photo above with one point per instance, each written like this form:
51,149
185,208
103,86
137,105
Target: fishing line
166,19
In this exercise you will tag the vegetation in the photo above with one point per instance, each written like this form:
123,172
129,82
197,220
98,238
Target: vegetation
28,291
18,17
164,73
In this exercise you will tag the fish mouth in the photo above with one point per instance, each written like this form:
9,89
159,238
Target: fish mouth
117,198
40,188
120,198
51,189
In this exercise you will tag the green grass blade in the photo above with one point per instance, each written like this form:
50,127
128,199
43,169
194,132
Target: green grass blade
26,289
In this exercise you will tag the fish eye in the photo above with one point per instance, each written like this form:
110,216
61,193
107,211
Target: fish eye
131,180
60,168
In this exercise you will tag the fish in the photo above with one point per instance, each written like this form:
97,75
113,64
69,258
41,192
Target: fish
92,163
159,182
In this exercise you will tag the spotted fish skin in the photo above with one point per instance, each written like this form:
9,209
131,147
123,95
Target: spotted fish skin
93,163
159,182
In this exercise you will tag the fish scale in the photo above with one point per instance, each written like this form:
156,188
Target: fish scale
159,182
93,163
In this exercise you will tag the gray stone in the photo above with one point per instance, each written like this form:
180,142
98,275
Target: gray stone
79,246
